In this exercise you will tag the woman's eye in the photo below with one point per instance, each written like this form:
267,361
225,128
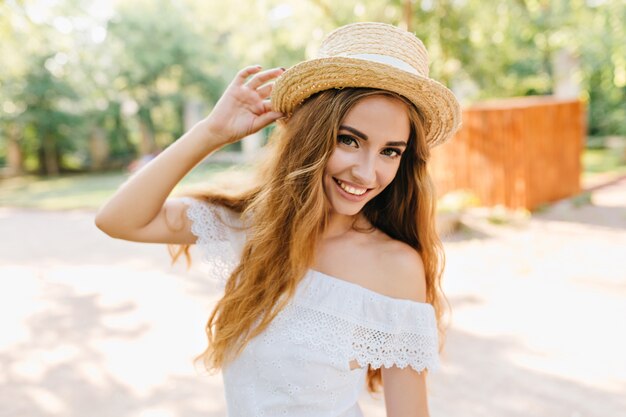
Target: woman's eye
394,153
353,143
346,140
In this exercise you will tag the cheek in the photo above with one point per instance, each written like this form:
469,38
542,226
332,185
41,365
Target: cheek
387,175
340,160
337,162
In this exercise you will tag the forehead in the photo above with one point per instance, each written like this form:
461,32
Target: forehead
381,118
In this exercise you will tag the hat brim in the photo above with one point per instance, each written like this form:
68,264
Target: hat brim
438,105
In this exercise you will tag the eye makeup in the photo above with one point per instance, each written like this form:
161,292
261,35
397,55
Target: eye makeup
348,139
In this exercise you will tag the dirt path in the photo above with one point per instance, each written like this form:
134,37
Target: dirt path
98,327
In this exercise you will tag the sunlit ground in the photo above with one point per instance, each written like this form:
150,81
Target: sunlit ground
538,322
94,327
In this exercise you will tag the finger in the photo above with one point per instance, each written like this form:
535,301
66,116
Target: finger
267,105
263,77
243,75
265,91
265,119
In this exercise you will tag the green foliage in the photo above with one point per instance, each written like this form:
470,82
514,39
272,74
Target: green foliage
457,201
129,71
604,160
582,199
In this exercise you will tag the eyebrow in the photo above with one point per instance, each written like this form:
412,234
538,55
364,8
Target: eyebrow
364,136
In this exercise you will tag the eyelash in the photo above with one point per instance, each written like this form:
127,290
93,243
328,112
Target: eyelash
396,150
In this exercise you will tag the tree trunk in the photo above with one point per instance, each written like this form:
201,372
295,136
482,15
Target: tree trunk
565,65
98,148
49,157
407,15
251,144
193,112
120,141
147,144
15,157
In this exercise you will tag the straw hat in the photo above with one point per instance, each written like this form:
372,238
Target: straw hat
374,55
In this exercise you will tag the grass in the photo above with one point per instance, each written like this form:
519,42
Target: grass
82,191
602,161
90,191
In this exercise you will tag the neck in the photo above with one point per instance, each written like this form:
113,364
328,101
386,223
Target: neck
341,224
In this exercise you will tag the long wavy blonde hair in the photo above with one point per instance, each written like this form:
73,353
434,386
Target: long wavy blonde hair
289,212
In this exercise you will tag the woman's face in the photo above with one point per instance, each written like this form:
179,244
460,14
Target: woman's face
371,138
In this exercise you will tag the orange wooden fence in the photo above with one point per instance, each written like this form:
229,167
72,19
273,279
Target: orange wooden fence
520,152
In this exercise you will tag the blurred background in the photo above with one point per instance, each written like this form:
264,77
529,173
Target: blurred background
532,196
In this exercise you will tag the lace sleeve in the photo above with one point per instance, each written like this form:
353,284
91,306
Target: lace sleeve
217,241
411,342
352,322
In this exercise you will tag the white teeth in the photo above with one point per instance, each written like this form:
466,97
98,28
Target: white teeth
352,190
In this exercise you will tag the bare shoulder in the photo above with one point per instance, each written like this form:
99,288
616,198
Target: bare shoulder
405,269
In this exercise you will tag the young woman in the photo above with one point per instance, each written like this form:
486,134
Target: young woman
329,259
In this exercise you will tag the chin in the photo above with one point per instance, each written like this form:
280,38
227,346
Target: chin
347,211
347,208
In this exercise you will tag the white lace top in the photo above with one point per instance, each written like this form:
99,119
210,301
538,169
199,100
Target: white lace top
300,365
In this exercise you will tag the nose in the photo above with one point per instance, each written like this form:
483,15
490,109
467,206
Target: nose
364,169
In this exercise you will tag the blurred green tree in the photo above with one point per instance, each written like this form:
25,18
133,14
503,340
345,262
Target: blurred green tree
91,85
38,116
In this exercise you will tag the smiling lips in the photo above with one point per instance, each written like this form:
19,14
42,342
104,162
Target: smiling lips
350,189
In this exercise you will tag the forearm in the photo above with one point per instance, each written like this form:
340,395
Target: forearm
142,196
133,211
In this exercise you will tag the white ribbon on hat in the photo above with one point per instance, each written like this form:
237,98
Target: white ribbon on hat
384,59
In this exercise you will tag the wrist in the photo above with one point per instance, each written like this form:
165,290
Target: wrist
204,138
214,132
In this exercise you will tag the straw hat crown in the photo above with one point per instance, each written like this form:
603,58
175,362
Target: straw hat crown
373,55
379,39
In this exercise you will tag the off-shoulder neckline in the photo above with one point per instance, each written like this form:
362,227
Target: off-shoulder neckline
358,287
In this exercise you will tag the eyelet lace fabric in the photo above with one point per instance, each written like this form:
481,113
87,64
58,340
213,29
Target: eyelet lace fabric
300,365
215,238
356,323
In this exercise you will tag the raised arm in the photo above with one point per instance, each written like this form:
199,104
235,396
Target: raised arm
140,209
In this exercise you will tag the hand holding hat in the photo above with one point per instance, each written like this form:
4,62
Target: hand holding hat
244,108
